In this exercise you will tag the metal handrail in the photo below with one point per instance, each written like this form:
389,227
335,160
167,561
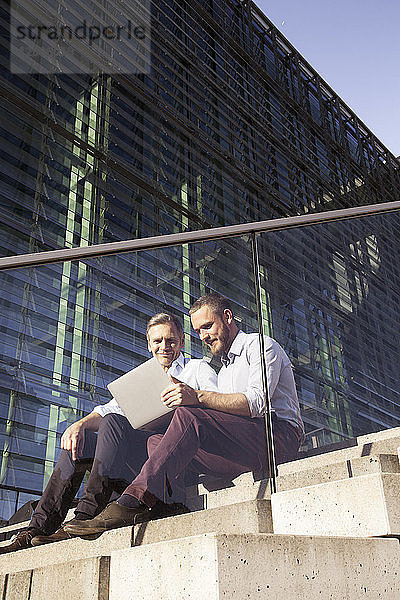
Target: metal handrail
203,235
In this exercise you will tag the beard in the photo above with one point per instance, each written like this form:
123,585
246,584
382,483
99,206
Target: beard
221,345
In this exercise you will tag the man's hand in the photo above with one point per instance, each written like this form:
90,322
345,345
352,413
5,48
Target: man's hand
179,394
72,439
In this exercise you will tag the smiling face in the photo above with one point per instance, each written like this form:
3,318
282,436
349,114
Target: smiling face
165,343
216,331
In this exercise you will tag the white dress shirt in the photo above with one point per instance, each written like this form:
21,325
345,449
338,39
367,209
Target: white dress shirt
196,372
241,372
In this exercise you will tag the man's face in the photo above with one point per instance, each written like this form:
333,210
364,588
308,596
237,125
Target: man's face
217,331
165,343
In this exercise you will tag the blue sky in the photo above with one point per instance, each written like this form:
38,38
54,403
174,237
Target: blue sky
355,46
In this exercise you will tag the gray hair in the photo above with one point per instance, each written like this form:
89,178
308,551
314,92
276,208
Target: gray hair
162,319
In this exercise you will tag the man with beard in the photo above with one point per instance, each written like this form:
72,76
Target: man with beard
105,443
219,433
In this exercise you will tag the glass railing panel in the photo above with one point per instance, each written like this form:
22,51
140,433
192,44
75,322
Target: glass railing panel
330,297
69,329
8,504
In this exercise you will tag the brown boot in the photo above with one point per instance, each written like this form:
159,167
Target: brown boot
58,536
20,542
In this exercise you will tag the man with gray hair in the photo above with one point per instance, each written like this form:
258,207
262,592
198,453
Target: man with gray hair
105,443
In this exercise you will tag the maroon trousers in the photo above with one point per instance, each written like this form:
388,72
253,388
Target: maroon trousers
202,440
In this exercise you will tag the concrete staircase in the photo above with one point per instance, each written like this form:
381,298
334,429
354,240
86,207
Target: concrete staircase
331,531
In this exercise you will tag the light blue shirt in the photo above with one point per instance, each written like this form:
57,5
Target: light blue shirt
243,375
193,371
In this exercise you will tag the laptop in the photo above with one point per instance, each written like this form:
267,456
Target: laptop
138,393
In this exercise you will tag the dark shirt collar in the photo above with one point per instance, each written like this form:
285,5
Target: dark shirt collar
235,349
225,360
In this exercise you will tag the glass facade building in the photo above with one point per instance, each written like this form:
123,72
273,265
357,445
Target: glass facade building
230,125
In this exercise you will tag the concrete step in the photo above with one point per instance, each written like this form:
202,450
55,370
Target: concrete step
367,505
245,488
257,567
228,551
247,517
221,492
215,566
390,436
381,442
67,551
241,489
345,468
86,579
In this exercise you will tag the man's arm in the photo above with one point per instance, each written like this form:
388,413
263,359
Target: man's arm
111,407
73,436
235,404
180,394
250,401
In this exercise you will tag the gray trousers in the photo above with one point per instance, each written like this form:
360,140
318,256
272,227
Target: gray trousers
114,456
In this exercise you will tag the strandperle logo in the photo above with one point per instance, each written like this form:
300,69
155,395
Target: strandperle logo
91,33
84,36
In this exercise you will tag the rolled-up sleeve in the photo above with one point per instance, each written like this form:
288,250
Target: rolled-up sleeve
254,391
109,408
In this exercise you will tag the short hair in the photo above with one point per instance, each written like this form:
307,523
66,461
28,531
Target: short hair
162,319
213,300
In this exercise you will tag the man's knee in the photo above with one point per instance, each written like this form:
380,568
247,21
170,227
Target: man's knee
153,442
187,413
65,457
66,467
113,421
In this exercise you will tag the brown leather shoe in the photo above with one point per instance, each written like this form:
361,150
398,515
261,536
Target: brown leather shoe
20,542
113,516
58,536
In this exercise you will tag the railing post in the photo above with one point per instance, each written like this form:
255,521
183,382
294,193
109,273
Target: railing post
267,402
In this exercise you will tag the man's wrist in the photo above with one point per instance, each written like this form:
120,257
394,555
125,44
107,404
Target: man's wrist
202,396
